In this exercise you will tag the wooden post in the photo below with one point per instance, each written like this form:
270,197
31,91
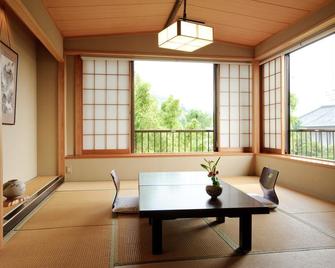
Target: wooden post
61,120
1,183
256,89
78,70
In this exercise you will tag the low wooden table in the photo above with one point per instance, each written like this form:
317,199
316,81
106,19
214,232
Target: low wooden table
171,195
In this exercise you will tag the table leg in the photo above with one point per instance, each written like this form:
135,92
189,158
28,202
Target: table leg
221,219
245,233
156,236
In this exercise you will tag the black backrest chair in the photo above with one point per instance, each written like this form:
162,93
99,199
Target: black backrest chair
268,181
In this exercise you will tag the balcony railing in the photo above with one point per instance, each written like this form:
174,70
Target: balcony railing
173,141
317,143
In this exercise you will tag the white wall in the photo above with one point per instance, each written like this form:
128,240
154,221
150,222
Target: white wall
20,140
129,167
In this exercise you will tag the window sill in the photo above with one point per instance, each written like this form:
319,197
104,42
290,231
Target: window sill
301,159
138,155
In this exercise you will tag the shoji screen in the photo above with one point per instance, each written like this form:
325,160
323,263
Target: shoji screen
106,104
235,106
271,104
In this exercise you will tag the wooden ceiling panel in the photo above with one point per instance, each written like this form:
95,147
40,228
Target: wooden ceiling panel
250,9
246,22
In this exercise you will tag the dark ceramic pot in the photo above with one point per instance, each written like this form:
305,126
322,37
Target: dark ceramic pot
213,191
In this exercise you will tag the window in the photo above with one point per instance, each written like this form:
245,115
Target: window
271,101
312,100
235,106
106,104
173,109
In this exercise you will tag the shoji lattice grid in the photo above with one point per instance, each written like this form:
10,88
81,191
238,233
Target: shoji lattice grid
106,104
272,104
235,102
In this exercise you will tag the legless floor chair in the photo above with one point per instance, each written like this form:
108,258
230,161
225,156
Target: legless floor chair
268,181
123,204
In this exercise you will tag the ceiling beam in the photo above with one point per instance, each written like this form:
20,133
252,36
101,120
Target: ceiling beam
173,12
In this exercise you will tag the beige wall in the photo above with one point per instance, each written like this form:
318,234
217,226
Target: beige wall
47,69
301,176
312,24
146,44
129,167
19,140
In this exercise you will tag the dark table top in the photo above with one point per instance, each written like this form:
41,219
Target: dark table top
183,198
174,178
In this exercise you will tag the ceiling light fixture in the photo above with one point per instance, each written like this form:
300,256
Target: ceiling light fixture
185,35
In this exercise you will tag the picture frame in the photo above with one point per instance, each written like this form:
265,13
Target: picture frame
9,69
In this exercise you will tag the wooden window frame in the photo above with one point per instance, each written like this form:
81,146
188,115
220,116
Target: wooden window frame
79,150
264,149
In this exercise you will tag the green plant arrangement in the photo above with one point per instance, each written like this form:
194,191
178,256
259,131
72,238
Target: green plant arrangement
210,166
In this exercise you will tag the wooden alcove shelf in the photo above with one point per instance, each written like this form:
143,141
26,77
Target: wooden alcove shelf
37,190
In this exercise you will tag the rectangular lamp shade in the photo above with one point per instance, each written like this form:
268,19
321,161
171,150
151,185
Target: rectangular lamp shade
185,36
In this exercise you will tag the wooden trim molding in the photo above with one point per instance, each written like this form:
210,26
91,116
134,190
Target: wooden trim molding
78,107
1,183
61,119
159,155
22,12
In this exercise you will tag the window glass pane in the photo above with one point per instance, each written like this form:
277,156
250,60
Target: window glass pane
88,97
112,66
224,99
224,69
111,82
111,142
266,69
244,127
111,97
244,113
99,127
266,140
234,71
123,82
88,66
272,97
272,67
123,97
100,81
88,112
99,142
100,111
88,81
111,112
272,82
234,127
224,112
123,112
100,67
234,99
224,126
224,140
122,141
244,71
234,141
266,84
224,84
123,67
100,96
244,140
88,127
234,85
234,112
244,85
123,127
244,99
88,142
111,127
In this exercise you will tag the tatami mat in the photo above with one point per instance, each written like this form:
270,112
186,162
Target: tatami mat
324,221
86,186
300,259
289,200
76,208
63,247
277,231
182,239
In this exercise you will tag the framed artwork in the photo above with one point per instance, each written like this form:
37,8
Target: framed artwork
8,65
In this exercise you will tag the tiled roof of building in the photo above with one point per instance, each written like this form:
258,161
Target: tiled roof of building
322,117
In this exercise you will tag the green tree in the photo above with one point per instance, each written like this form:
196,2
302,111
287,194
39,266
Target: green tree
170,113
294,120
198,119
146,106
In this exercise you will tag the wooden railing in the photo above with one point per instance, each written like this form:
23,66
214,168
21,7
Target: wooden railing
173,141
317,143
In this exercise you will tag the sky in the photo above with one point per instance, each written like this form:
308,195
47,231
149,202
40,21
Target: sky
190,82
312,76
